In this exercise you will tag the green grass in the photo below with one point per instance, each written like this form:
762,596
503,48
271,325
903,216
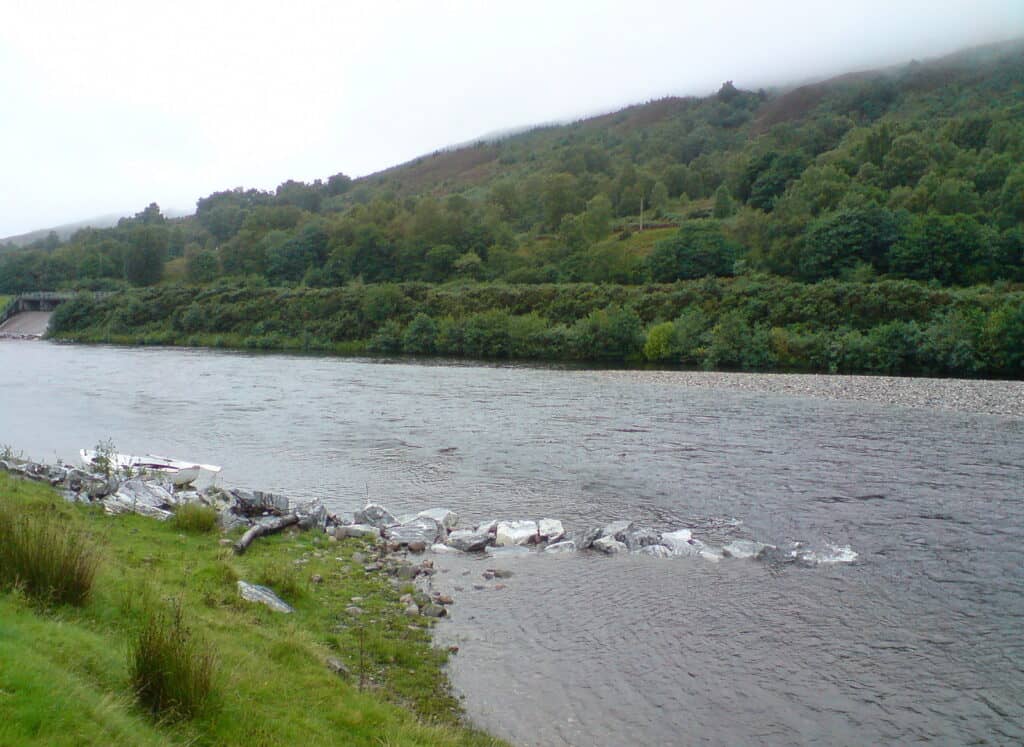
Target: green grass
47,561
195,518
66,672
172,669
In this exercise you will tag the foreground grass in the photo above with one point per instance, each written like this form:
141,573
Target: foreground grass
65,672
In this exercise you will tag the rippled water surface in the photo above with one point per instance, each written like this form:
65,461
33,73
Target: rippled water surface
919,639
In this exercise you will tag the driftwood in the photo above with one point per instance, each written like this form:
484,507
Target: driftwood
269,527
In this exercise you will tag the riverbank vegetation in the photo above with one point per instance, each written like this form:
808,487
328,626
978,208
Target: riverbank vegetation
874,187
754,322
101,670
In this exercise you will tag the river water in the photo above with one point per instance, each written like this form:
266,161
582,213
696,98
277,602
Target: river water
919,639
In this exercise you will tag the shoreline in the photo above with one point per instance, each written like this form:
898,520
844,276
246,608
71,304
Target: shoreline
1004,397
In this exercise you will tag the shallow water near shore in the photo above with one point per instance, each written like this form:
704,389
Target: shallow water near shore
918,639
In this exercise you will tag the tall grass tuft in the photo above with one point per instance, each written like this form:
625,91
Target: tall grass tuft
195,518
171,670
49,561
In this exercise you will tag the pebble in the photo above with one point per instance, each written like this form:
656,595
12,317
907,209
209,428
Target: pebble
316,578
961,395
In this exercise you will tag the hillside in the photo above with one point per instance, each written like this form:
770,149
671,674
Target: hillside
912,173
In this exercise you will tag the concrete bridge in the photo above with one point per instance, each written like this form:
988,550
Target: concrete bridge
28,315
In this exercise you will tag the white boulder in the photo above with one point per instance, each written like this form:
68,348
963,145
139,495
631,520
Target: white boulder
550,529
513,533
443,516
609,545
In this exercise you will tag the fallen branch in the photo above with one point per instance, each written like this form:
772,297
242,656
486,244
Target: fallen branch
270,527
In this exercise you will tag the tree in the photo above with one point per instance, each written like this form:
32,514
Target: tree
724,205
906,162
201,265
144,256
698,249
837,241
946,248
597,219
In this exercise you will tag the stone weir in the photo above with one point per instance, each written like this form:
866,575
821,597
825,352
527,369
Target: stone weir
436,530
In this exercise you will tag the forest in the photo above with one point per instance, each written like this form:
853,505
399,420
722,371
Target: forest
873,222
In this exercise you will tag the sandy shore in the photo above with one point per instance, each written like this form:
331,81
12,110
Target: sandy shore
962,395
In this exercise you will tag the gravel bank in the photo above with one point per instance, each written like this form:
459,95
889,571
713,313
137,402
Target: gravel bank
963,395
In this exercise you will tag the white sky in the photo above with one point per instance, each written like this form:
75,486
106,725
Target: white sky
106,106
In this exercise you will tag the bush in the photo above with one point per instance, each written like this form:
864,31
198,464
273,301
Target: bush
195,517
49,561
171,671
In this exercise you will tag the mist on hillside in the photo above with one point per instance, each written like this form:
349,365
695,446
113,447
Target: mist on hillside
120,109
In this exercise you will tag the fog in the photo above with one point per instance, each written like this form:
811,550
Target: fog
108,106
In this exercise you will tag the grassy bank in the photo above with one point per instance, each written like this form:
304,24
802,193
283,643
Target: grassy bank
66,671
754,322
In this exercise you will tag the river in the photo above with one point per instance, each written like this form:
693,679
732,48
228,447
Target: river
918,639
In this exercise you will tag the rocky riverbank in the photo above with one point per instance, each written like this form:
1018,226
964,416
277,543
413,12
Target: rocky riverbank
397,538
962,395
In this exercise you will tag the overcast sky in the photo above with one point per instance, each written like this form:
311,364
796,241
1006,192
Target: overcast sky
106,106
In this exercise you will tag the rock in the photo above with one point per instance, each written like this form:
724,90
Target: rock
654,551
312,515
421,529
776,555
417,546
137,496
616,527
585,538
488,526
609,545
442,549
742,549
76,479
357,530
505,552
434,610
636,537
375,515
513,533
408,572
353,610
257,502
358,557
337,666
678,541
561,547
707,552
316,578
500,572
550,529
469,540
412,610
263,595
444,599
218,498
443,516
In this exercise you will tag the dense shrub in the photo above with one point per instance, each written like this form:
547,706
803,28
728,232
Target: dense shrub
48,560
171,670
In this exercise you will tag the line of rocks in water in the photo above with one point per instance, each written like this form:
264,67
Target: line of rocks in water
436,530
